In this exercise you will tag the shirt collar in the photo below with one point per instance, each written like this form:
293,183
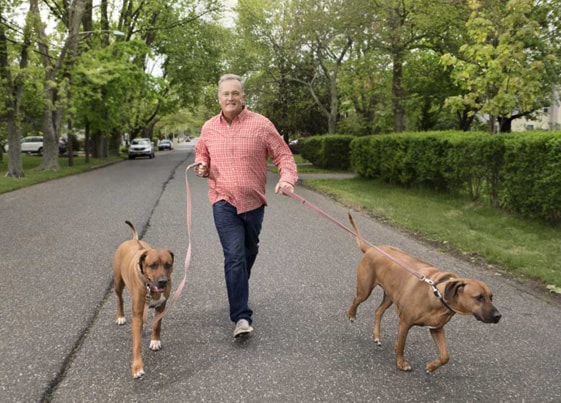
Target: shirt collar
239,117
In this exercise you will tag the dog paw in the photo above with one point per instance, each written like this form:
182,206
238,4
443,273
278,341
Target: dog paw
137,374
378,343
155,345
404,365
121,320
432,366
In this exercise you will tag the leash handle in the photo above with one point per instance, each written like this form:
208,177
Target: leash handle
177,292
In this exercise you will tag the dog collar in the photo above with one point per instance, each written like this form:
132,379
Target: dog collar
437,293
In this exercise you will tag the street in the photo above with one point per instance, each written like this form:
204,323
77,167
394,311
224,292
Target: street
59,342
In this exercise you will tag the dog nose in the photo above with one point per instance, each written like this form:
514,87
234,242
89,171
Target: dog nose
162,283
496,317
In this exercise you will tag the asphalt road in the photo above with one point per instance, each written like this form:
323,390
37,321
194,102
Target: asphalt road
58,341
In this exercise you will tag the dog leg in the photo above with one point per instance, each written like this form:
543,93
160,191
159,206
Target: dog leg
439,338
399,348
137,363
119,287
155,341
364,287
384,305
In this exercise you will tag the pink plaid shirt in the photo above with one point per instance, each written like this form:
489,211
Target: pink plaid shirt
237,156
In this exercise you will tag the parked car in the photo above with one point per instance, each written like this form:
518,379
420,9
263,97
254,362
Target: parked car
165,145
141,148
34,145
293,145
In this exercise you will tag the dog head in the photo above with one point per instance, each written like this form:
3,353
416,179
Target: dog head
156,265
466,296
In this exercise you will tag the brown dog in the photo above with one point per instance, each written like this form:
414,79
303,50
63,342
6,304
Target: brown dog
146,273
415,301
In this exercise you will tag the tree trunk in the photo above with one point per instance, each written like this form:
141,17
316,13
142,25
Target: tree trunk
12,105
52,118
397,95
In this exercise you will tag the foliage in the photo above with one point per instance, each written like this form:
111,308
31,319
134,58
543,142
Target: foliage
329,151
520,173
109,90
509,64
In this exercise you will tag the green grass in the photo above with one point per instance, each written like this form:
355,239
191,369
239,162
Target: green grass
304,167
34,176
523,248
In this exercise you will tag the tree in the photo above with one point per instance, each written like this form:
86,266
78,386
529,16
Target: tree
511,63
402,27
55,82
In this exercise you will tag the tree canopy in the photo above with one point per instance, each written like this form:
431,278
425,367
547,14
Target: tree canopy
117,69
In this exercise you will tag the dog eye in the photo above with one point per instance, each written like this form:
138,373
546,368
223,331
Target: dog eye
480,298
153,266
168,266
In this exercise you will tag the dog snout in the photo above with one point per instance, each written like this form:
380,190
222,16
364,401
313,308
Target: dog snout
162,283
492,316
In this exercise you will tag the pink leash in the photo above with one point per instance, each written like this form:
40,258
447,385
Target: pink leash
350,231
393,259
187,257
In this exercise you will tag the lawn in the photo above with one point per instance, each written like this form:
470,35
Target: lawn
34,176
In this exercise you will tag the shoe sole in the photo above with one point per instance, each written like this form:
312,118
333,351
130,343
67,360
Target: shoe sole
244,332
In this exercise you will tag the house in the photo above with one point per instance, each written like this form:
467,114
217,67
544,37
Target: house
549,118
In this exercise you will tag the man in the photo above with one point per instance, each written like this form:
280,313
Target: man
232,151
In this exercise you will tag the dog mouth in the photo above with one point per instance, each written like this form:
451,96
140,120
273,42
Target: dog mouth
494,317
156,288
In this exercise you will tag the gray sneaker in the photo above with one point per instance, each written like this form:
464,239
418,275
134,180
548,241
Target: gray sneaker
242,327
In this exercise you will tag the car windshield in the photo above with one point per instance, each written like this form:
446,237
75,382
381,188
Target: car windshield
140,141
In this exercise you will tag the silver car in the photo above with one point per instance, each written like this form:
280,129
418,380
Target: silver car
141,148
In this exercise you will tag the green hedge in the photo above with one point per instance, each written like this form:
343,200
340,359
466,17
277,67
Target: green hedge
520,172
328,151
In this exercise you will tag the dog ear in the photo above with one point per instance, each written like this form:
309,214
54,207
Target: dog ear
141,260
172,256
453,288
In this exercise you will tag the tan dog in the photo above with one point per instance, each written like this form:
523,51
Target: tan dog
146,273
415,301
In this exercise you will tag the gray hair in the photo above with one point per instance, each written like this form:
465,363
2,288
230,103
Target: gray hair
227,77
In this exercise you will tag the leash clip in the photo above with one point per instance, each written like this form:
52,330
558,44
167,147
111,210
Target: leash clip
434,289
437,293
148,296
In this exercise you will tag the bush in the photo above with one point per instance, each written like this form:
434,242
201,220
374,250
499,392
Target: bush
519,172
327,151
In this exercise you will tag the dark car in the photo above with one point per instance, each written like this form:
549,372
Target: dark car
165,145
293,145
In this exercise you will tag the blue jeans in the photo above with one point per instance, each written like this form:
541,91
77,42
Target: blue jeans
239,236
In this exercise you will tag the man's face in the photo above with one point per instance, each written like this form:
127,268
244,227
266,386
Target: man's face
231,98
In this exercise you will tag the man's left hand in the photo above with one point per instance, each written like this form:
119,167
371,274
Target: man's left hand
284,187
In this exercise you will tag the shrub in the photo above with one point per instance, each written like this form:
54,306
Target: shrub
327,151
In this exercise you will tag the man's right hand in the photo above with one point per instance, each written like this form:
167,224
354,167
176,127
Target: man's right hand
201,170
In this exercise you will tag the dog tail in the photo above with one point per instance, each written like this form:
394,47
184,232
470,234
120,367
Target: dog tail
361,244
134,233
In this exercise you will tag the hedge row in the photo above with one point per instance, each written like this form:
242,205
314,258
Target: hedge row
329,151
519,172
